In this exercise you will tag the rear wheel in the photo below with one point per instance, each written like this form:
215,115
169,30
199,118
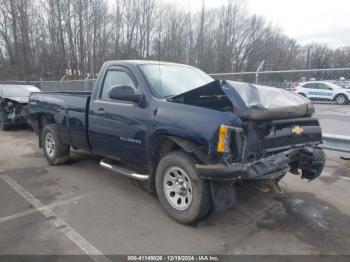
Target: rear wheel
341,99
184,196
4,122
55,151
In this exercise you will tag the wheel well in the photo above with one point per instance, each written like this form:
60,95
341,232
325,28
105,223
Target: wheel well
344,95
163,145
341,95
44,120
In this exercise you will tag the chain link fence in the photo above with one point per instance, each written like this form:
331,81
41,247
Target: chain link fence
68,85
58,86
289,79
280,79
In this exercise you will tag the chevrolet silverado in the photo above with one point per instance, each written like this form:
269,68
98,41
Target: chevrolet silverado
189,137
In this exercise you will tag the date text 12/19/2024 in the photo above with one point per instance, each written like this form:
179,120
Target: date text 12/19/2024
173,258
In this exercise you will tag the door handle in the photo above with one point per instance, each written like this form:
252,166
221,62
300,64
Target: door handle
100,111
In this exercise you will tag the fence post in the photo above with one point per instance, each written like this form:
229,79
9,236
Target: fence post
61,81
257,72
86,81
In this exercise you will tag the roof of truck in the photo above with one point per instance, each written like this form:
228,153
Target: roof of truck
145,62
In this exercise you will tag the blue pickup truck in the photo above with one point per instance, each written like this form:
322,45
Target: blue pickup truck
189,137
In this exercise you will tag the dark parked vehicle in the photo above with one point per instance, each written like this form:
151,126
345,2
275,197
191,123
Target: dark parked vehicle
14,104
190,137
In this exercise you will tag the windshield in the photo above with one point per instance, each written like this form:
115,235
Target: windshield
342,84
337,83
170,80
17,91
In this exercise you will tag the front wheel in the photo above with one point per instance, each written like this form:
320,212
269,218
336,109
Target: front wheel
55,151
184,196
341,99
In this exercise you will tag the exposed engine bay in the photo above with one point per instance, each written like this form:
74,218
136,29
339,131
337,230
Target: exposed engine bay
14,110
14,104
278,133
248,101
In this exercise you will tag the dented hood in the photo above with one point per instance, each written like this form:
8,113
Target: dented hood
249,101
21,100
17,93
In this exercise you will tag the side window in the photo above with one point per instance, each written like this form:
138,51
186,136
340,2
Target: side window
310,86
315,86
116,78
324,86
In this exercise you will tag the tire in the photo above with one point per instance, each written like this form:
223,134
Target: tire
55,151
4,123
178,168
3,126
341,99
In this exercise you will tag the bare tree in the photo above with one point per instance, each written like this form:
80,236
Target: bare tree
50,38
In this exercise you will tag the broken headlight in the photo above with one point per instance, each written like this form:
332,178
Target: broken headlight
225,136
10,104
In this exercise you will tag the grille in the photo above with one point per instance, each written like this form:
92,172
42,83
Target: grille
291,133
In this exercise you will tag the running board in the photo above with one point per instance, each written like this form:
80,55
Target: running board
112,165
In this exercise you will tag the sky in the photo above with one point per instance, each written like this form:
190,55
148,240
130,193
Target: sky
326,21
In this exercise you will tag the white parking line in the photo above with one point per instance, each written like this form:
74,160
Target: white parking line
58,222
32,211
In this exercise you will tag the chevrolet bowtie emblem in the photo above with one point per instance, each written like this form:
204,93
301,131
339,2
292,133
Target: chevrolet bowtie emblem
297,130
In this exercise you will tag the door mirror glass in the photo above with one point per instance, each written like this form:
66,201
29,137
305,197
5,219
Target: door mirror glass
124,93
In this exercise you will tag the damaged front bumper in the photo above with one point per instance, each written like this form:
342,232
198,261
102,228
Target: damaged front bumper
18,116
309,160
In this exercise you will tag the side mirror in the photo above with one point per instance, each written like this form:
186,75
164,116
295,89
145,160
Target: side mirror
124,93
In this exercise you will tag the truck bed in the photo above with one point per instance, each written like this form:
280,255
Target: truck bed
68,110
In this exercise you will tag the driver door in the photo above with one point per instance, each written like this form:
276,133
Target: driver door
117,129
326,92
313,91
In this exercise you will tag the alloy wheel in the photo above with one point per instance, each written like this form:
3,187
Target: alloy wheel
178,188
50,145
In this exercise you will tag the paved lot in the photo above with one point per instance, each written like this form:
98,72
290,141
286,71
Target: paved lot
80,208
334,119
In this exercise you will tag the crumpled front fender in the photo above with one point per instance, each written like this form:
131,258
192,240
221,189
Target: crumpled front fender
310,160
